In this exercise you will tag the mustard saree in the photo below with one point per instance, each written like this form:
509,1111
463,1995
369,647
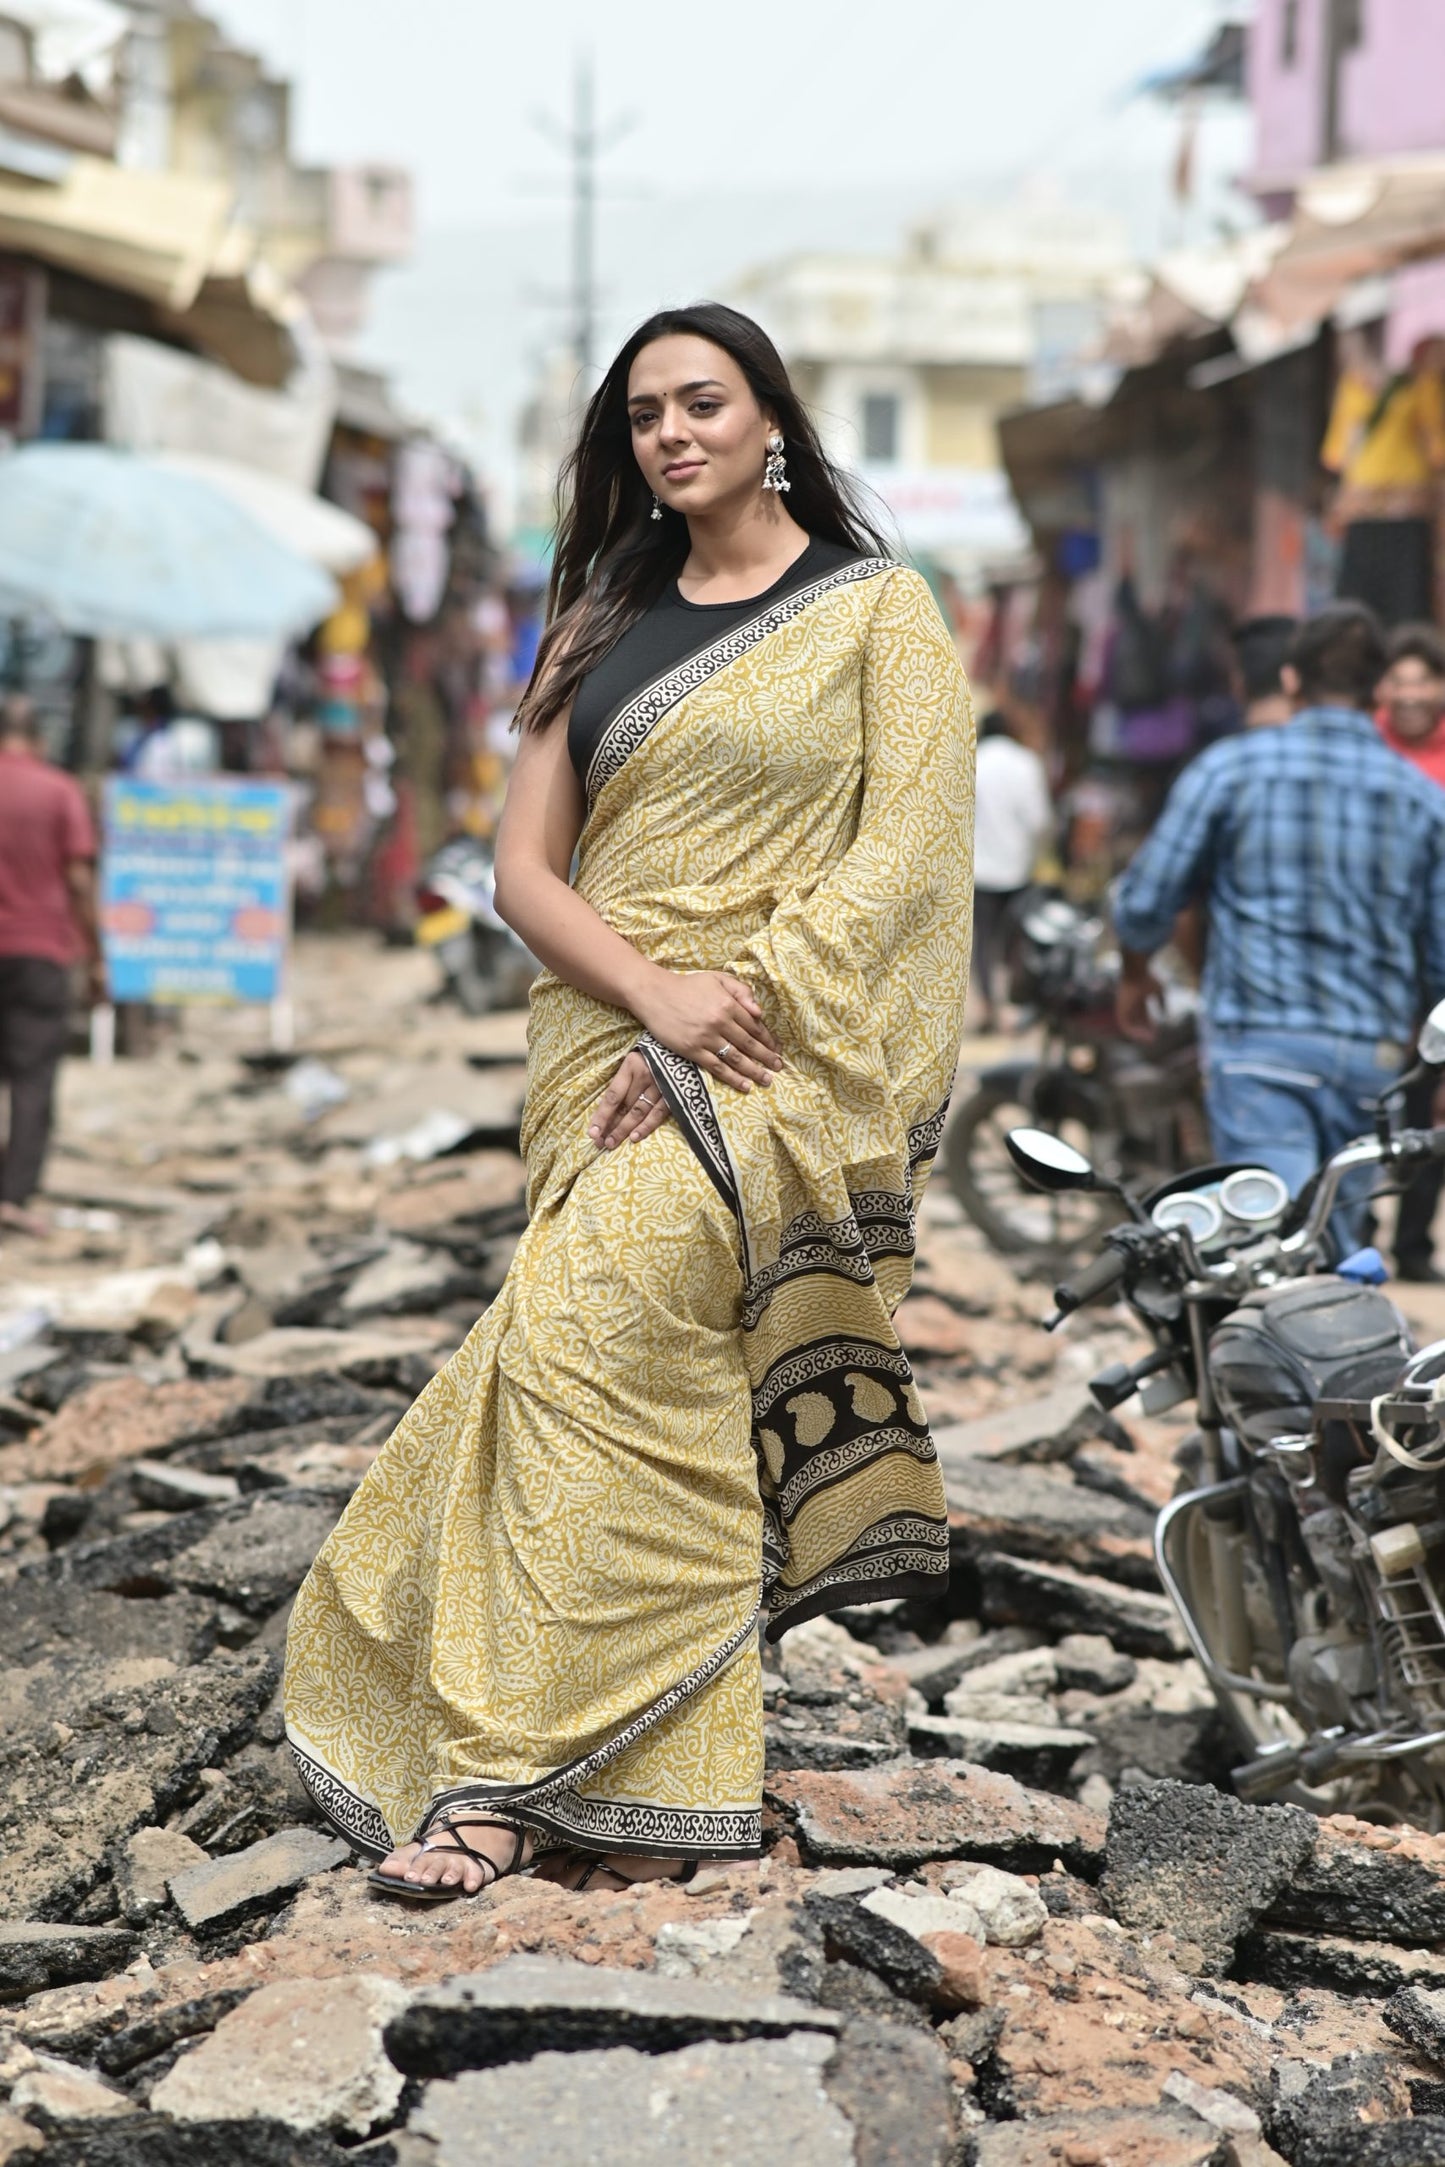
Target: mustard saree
687,1410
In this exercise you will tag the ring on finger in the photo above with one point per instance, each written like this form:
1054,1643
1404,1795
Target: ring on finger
642,1101
724,1052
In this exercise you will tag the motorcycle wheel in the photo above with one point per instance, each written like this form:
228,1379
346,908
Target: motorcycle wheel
1383,1794
1014,1220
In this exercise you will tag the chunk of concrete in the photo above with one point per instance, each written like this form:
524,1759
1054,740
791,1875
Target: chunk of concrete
748,2104
1036,1753
34,1955
147,1863
1090,1663
934,1810
1048,1428
531,2003
1189,1861
167,1488
1025,1591
259,1879
1417,2014
306,2052
892,2083
1010,1911
67,2095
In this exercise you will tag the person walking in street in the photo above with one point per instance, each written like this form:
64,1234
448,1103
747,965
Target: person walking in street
1261,649
47,926
687,1412
1318,856
1411,716
1014,815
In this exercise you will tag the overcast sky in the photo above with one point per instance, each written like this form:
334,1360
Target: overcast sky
759,126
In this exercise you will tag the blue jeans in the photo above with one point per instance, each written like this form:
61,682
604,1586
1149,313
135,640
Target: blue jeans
1290,1099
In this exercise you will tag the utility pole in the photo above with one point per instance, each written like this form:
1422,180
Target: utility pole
584,215
584,143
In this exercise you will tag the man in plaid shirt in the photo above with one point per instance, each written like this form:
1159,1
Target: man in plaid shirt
1318,855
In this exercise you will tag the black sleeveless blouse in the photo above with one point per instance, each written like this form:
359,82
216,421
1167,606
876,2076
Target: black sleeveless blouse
666,634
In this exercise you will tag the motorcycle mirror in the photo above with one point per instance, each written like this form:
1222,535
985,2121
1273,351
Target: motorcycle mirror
1048,1162
1432,1037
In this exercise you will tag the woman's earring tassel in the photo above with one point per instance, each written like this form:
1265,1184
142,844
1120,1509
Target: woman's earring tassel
656,512
775,473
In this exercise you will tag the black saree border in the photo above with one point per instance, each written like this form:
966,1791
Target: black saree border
632,723
684,1086
364,1826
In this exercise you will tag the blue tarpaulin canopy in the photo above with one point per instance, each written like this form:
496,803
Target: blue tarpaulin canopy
109,544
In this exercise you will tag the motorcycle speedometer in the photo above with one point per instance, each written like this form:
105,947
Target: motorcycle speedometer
1189,1211
1254,1196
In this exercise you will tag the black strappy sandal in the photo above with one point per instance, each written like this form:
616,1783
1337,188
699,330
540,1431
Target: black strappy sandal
420,1892
595,1863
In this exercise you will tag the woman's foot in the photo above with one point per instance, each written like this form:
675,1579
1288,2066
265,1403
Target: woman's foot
439,1862
585,1870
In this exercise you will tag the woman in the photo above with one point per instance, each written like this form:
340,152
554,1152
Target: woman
536,1625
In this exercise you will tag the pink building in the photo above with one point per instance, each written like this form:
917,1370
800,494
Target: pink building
1337,79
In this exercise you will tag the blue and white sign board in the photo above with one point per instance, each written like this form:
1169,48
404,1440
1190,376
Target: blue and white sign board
195,891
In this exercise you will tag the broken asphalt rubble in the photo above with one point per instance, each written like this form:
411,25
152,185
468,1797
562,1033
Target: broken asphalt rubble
1009,1912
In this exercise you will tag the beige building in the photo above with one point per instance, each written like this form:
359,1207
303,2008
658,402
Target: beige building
909,359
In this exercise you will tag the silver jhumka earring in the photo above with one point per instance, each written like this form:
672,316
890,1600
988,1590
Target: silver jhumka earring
656,512
775,472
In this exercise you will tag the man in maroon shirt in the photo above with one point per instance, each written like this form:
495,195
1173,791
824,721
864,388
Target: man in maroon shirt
47,925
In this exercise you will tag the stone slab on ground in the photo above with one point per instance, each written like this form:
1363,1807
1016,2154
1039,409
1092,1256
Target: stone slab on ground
1418,2015
1032,1513
118,2052
119,1418
1125,2137
225,1891
67,2095
1190,1861
1381,1884
125,1762
1023,1591
1046,1428
745,2105
152,2140
531,2003
891,2082
306,2052
892,1952
1281,1958
1036,1753
934,1810
143,1872
34,1955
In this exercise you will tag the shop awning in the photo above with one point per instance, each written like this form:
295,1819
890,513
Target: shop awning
1353,221
152,234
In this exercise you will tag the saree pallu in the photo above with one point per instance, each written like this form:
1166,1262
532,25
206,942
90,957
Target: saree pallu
687,1411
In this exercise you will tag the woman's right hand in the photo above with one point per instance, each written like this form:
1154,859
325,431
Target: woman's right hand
711,1018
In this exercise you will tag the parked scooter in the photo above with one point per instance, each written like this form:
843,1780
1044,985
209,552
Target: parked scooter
483,964
1305,1552
1135,1113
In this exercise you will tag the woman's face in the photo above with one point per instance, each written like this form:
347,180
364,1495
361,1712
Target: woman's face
699,434
1415,698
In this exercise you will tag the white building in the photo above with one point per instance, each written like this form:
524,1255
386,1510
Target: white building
909,359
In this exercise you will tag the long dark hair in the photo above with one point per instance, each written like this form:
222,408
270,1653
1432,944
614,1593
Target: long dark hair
612,558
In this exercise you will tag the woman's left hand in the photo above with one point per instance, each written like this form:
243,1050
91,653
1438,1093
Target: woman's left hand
630,1108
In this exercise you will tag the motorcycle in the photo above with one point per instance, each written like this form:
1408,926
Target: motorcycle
1137,1113
1305,1549
483,964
